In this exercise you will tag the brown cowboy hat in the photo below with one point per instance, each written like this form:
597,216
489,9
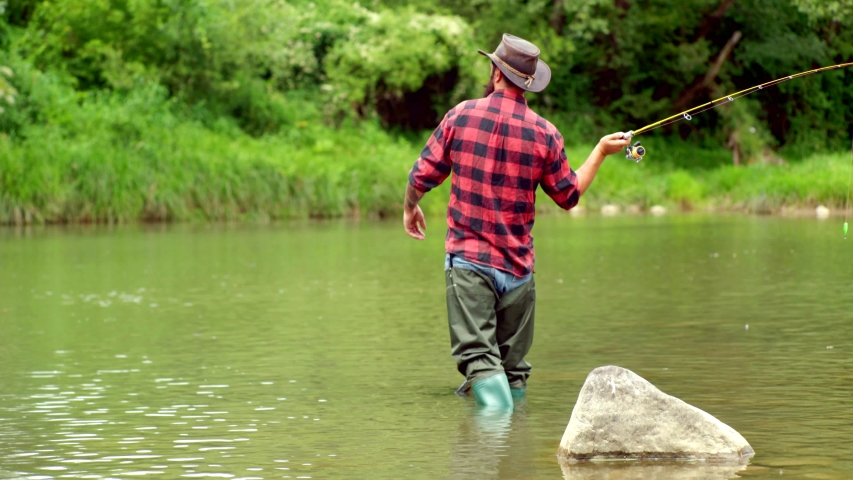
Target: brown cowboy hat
519,61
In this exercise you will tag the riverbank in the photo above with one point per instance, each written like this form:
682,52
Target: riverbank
132,168
789,189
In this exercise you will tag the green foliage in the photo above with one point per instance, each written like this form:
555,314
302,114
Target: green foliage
43,100
682,187
317,29
129,158
8,93
836,10
616,65
193,47
203,51
747,135
396,51
119,110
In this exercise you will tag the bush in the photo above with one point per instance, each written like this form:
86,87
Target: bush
395,53
683,188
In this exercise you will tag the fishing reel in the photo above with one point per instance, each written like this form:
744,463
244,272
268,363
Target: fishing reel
635,152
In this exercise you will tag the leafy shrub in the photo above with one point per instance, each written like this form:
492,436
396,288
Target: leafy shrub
395,52
683,188
202,51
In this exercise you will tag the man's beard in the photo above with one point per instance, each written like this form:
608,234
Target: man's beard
490,87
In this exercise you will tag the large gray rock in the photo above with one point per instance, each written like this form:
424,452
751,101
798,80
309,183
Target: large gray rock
619,415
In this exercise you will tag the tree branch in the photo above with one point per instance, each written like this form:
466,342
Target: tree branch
703,83
558,17
713,19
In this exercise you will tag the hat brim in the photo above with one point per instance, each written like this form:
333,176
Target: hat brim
541,80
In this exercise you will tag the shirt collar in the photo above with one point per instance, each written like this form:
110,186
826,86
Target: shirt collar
510,95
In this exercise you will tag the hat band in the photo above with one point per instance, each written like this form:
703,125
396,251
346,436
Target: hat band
528,78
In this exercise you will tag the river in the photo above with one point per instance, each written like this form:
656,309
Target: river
320,349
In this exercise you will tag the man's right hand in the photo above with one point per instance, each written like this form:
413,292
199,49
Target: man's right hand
613,143
414,222
608,145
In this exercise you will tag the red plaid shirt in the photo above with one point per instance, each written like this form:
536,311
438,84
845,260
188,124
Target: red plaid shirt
499,151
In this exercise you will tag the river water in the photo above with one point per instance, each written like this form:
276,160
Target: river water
320,349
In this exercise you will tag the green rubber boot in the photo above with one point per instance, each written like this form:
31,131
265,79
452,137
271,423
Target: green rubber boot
493,392
517,393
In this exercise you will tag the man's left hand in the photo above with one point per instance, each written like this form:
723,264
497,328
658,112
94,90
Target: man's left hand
414,222
613,143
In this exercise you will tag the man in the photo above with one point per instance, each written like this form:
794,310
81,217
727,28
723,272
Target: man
499,151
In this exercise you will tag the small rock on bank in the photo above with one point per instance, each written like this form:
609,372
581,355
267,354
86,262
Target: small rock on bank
658,210
620,415
821,212
610,210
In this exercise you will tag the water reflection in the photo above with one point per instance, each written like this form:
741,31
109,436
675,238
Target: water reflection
494,444
649,471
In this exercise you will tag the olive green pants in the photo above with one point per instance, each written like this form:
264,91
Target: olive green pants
489,334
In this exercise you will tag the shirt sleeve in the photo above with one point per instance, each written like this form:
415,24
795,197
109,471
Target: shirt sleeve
559,181
433,165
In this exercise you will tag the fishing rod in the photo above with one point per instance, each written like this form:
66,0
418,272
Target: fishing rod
636,152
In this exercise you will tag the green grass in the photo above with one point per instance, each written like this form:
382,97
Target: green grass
188,172
120,159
